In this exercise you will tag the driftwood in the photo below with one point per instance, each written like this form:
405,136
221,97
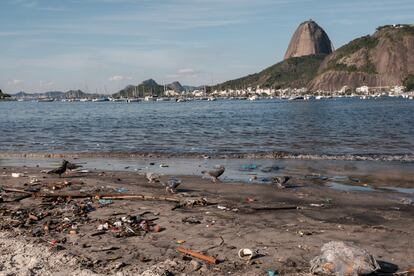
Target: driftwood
12,190
197,255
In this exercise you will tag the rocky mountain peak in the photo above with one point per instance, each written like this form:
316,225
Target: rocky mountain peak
309,39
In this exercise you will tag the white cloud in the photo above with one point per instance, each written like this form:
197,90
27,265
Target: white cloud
186,71
46,83
15,82
119,78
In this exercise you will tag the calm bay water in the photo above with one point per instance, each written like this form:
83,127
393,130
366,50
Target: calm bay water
383,127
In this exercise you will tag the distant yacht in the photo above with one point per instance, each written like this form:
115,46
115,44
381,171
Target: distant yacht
294,98
100,100
133,100
149,99
253,98
45,100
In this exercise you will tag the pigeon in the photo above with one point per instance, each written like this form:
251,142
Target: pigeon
214,174
280,181
152,177
172,185
60,170
73,166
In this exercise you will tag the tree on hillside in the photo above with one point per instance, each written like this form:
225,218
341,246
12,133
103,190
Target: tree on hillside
3,96
409,83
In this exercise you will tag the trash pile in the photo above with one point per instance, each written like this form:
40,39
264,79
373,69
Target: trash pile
340,258
127,226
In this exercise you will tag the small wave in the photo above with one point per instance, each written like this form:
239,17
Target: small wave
255,155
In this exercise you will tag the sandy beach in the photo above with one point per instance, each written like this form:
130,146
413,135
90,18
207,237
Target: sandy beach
66,235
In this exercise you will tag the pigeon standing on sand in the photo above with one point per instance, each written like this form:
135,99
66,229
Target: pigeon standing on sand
172,185
73,166
60,170
214,174
280,181
152,177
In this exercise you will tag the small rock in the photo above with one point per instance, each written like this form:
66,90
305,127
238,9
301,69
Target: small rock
195,265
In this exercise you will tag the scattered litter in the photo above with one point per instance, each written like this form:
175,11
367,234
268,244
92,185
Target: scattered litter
16,175
316,205
84,171
250,199
106,201
180,241
34,180
246,254
271,272
104,226
406,201
340,258
222,207
162,165
304,233
121,190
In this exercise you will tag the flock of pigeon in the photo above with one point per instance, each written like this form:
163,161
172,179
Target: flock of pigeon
172,184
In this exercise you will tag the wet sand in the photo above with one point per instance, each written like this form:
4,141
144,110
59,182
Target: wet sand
285,239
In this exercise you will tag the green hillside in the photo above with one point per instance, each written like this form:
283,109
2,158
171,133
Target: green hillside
294,72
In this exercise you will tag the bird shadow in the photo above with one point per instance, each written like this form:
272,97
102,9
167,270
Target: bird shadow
386,268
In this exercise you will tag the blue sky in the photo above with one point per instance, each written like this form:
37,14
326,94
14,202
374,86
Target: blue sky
97,44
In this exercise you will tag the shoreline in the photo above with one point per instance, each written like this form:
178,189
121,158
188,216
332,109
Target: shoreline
288,238
350,175
402,157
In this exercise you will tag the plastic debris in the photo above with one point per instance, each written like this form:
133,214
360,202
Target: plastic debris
121,190
16,175
340,258
162,165
406,201
246,254
180,241
106,201
271,272
104,226
316,205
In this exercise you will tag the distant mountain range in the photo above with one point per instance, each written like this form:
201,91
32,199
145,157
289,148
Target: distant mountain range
151,87
71,94
146,88
384,59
